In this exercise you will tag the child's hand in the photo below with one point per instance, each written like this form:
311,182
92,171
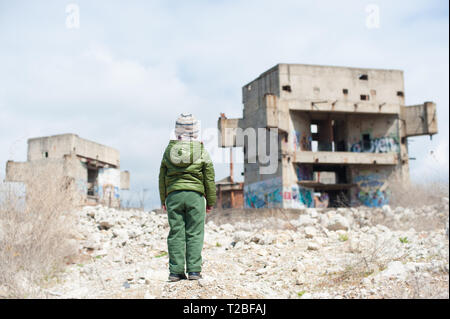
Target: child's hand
163,207
209,209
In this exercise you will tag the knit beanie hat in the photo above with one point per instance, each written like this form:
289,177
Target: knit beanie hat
186,126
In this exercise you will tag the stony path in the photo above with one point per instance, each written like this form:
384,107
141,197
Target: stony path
343,253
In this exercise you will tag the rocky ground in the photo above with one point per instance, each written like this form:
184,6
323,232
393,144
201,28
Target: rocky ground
311,253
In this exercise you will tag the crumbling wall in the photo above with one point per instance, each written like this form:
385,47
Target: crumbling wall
57,146
37,176
89,149
76,172
317,83
16,171
50,147
300,137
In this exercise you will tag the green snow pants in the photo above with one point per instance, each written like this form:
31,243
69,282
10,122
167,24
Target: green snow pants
186,212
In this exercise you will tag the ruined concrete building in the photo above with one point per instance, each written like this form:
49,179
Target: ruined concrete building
342,132
230,194
93,169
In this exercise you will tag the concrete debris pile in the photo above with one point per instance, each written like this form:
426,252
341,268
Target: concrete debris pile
320,253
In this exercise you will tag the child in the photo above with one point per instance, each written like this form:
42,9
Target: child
186,179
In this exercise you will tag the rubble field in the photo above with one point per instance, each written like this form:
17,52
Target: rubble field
311,253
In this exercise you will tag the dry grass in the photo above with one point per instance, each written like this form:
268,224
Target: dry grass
362,263
412,195
35,234
369,259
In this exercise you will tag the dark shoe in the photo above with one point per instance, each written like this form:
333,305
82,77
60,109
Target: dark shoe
194,276
176,277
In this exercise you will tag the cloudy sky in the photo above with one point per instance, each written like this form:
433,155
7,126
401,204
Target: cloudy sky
130,67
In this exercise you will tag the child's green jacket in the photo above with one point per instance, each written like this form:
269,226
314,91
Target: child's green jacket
186,165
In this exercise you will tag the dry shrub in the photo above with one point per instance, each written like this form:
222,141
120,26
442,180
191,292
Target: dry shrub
412,195
363,262
35,231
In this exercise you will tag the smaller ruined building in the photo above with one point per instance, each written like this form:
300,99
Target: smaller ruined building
92,169
230,194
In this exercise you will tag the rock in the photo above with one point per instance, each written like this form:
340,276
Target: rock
121,239
133,233
387,211
261,271
239,245
313,246
158,275
331,213
121,233
313,213
101,253
262,252
263,239
93,242
367,281
241,236
227,228
310,232
383,228
395,269
321,241
324,220
283,238
354,245
305,220
54,293
268,239
338,222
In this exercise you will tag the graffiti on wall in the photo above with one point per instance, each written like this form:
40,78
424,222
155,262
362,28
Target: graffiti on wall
306,197
377,145
297,197
302,141
321,201
264,194
109,191
371,189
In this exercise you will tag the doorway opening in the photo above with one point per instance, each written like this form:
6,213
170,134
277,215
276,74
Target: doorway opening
92,176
